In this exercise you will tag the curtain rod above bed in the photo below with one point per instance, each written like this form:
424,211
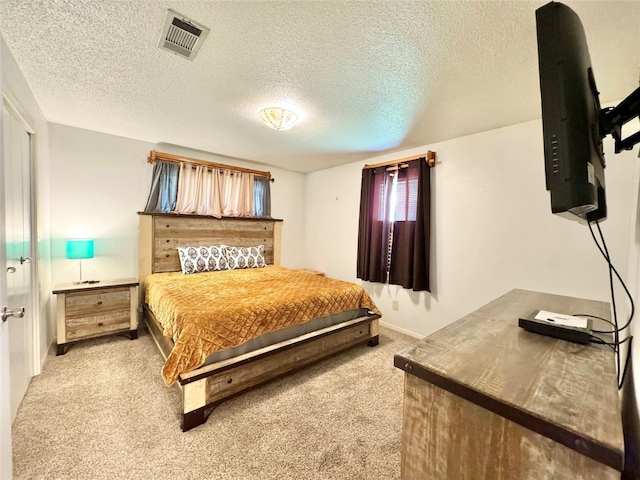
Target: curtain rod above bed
429,156
168,157
195,215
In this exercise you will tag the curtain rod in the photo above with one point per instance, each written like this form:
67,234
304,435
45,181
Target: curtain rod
429,156
168,157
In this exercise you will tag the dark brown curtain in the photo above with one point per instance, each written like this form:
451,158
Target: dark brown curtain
373,231
411,229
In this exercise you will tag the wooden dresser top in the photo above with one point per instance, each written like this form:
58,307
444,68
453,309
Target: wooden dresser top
73,287
563,390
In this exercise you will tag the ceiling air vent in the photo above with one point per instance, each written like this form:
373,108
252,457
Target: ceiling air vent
182,35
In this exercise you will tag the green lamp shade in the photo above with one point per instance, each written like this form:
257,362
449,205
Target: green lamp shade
79,249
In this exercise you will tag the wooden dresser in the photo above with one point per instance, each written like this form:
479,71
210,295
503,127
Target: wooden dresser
485,399
91,310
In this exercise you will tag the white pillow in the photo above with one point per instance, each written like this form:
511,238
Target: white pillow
246,257
203,259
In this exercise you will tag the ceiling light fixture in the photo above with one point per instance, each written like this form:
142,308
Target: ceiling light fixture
278,118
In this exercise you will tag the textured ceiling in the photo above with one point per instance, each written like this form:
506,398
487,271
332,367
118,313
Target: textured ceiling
365,77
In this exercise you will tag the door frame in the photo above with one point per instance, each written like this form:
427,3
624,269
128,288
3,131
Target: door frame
33,250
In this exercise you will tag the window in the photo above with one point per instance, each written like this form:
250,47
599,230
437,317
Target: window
404,199
394,235
198,189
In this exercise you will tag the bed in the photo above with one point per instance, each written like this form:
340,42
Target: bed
242,355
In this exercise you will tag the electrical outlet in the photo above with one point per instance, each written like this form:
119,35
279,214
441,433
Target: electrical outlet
394,305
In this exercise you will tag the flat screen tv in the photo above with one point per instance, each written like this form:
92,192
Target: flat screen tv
574,158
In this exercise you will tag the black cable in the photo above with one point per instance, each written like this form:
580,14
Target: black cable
599,341
599,318
604,342
591,316
605,332
616,332
621,375
615,346
624,286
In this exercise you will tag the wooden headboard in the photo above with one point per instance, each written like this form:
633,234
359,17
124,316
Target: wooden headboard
160,233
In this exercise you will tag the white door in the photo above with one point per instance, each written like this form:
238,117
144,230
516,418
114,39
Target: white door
17,201
5,382
5,394
19,333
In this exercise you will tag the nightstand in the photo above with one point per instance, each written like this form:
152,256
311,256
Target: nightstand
312,272
92,310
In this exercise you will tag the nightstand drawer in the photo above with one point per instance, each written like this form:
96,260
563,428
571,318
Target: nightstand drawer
91,303
91,326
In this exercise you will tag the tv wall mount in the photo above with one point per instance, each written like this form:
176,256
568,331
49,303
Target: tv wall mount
613,118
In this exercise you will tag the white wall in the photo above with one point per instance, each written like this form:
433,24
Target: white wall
631,391
492,228
15,87
98,184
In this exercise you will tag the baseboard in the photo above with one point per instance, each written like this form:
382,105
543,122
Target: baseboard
401,330
50,351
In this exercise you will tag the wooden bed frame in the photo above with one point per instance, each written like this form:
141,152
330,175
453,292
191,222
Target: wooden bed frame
204,388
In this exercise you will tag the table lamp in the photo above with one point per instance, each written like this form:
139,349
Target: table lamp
80,249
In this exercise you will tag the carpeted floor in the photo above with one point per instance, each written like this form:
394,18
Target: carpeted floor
102,412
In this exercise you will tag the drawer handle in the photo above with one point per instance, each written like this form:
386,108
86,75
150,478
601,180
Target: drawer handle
100,324
100,302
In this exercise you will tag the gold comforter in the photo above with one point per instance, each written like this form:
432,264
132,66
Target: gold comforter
207,312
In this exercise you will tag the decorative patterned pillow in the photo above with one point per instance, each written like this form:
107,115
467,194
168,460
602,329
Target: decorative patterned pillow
246,257
203,259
